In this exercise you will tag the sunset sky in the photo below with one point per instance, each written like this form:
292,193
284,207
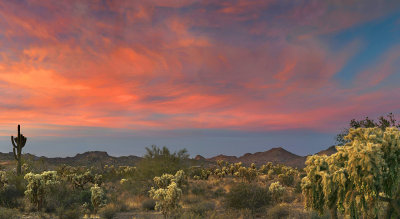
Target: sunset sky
212,76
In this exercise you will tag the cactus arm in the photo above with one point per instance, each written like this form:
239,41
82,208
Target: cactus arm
23,141
12,141
15,154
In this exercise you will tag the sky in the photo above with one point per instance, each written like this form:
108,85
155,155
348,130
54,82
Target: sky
212,76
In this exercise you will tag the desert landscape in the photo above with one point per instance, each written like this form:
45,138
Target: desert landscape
189,109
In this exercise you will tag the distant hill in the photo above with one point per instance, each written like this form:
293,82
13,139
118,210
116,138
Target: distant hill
275,155
100,158
90,158
331,150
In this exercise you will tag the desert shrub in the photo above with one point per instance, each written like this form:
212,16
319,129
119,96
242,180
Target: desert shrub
189,215
6,213
65,197
231,213
9,196
191,199
198,190
158,161
73,213
149,204
247,196
202,208
109,211
315,215
219,192
278,212
11,189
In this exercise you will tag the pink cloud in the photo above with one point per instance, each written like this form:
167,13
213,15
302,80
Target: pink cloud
118,64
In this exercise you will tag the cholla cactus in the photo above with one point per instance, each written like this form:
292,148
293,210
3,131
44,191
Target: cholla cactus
3,180
126,171
205,174
38,186
168,192
166,179
276,190
167,200
80,180
247,174
123,181
355,180
97,197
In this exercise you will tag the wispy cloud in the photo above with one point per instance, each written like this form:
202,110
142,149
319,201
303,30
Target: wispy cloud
244,65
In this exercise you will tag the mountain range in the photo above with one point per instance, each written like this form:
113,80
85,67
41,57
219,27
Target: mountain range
276,155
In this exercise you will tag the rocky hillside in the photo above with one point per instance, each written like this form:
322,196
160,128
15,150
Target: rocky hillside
275,155
90,158
101,158
331,150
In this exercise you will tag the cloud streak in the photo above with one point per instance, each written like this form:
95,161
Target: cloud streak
240,65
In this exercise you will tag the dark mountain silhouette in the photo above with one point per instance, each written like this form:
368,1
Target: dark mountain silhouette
90,158
275,155
99,158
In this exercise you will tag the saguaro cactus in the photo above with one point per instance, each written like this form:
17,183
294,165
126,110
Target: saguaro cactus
18,143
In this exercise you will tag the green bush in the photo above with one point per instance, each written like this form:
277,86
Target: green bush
108,212
219,192
247,196
158,161
198,190
9,196
73,213
202,208
315,215
149,204
191,200
278,212
6,213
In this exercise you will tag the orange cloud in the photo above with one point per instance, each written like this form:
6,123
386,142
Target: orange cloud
180,64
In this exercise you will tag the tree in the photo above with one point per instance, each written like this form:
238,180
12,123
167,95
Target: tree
361,177
382,123
18,143
158,161
39,185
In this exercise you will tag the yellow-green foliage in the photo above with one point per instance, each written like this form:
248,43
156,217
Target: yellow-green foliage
168,192
247,174
3,180
277,191
38,186
364,172
97,197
